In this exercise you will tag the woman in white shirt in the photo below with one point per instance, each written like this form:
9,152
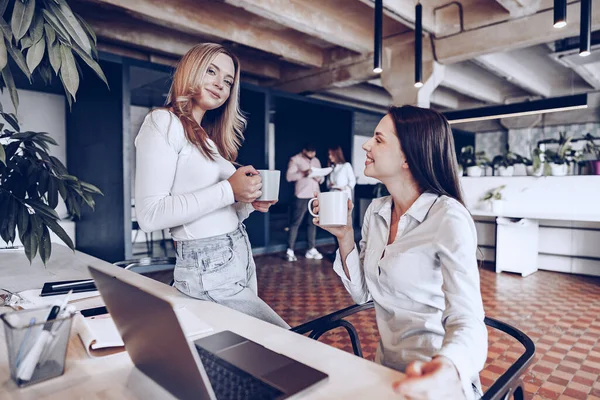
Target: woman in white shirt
417,259
186,182
342,176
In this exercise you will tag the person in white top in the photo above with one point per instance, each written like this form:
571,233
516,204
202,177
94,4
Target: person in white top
186,182
417,259
342,176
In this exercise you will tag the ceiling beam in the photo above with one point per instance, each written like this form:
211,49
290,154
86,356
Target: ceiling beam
363,93
317,18
159,40
513,34
508,66
463,80
404,11
520,8
215,19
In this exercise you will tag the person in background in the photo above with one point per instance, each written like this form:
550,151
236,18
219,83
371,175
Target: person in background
342,176
299,168
417,259
186,181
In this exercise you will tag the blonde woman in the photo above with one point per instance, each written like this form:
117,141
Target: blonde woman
186,182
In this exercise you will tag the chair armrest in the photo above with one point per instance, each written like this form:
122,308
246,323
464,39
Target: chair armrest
327,322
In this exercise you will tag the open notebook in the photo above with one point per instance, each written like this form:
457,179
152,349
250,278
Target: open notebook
100,336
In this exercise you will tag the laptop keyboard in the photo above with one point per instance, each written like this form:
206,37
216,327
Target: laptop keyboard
231,383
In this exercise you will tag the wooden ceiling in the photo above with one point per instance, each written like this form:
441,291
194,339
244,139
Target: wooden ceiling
494,51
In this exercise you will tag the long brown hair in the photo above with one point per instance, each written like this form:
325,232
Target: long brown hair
427,142
338,156
224,125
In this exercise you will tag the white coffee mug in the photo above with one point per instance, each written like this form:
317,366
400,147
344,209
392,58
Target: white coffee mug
270,184
333,208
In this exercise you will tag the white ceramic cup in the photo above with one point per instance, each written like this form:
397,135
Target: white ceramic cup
270,184
333,208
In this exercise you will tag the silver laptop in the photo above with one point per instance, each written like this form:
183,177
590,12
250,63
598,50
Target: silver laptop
220,366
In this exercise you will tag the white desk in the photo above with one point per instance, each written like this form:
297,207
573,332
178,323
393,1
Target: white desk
115,376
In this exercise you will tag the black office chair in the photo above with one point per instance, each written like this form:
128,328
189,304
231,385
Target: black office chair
149,265
508,385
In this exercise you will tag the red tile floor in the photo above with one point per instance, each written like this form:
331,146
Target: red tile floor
560,312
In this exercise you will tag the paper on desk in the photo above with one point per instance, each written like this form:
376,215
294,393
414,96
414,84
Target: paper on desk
33,299
318,172
100,337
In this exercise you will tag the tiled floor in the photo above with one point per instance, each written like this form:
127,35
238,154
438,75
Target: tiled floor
560,312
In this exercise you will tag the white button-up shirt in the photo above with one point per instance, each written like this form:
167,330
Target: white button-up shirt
425,285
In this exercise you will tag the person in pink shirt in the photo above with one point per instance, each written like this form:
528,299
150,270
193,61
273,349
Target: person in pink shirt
298,171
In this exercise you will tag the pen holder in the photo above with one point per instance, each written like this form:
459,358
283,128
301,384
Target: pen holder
37,347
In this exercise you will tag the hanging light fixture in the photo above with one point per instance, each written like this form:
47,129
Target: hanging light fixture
560,13
585,28
377,53
418,45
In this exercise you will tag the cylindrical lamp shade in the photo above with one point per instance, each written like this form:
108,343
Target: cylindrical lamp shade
560,13
418,45
585,33
377,52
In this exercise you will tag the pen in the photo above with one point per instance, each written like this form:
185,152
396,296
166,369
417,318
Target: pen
27,367
65,285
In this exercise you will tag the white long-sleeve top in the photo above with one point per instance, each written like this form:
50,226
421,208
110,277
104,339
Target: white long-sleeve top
180,189
342,178
425,285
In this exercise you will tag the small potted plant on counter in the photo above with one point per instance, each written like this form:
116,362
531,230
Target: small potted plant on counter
534,166
592,151
495,199
558,160
505,164
471,161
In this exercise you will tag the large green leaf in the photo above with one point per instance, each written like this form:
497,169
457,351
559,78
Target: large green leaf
60,232
3,54
58,29
50,34
26,42
6,29
13,215
21,17
45,246
12,89
38,27
2,154
30,243
41,208
3,4
17,56
68,71
35,54
54,56
11,119
88,187
66,17
91,63
87,28
52,192
23,221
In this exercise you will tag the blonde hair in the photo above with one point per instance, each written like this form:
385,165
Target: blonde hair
224,125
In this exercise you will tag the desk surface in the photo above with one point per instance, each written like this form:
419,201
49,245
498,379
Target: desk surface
558,216
115,376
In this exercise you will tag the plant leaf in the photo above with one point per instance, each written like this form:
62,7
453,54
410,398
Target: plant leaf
65,16
21,17
87,28
37,31
17,56
12,89
91,63
26,42
23,221
52,192
13,210
31,243
60,232
6,29
45,245
3,54
2,154
43,209
3,4
50,33
12,120
88,187
54,56
35,54
68,71
58,29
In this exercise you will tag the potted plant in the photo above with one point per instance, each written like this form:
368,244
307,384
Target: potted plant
557,160
592,149
505,164
495,199
534,165
42,39
471,161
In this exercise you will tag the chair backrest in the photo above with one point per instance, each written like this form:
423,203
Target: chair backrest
508,385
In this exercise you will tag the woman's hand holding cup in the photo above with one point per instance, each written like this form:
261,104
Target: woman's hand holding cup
246,184
338,230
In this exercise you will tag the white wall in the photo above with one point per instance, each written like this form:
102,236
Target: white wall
359,156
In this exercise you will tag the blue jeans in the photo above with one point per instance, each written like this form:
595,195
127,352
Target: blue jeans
221,269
